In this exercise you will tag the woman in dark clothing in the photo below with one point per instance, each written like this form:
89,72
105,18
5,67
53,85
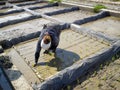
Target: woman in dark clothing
48,40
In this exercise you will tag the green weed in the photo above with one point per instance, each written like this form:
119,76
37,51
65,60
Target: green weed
54,1
98,7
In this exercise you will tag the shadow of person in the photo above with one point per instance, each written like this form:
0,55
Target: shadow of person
63,59
13,74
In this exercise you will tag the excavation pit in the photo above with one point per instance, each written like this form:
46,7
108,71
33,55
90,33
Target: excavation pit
73,47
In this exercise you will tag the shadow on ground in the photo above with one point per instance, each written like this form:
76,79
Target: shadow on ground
62,59
13,74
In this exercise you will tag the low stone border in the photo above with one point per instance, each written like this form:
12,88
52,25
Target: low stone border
92,18
11,12
112,12
9,43
10,22
66,10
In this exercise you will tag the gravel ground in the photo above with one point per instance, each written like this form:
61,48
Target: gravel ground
107,78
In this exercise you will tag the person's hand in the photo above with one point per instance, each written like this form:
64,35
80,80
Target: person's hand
35,65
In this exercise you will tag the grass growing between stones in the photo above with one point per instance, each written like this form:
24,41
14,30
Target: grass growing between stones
54,1
98,7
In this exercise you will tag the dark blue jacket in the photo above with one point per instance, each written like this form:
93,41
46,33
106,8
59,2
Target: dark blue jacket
54,31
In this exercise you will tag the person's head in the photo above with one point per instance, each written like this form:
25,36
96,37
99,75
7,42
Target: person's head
46,39
46,42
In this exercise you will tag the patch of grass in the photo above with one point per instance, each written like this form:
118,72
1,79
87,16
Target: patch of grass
98,7
116,0
68,87
54,1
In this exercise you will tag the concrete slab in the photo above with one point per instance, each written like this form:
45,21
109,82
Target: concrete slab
72,47
23,67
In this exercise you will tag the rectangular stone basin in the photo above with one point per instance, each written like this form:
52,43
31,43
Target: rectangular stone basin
50,9
75,15
109,25
20,29
72,48
34,5
13,17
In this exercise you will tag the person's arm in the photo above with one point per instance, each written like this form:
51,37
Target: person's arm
37,53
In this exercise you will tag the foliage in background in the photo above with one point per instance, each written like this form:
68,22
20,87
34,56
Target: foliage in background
116,0
54,1
98,7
